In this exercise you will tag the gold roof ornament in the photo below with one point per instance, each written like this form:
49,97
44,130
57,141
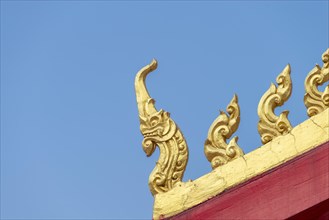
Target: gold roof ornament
301,139
160,130
217,151
271,125
316,101
231,166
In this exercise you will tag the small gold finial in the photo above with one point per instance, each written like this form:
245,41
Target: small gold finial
270,125
217,151
316,101
160,130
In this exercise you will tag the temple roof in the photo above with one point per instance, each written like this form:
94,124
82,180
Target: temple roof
283,143
303,138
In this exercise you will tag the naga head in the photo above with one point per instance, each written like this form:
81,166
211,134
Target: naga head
156,126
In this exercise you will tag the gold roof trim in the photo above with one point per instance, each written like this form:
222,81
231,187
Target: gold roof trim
216,149
315,100
160,130
230,166
270,125
302,138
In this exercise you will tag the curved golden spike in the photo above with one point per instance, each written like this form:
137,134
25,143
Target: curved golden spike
217,151
316,101
144,101
270,125
160,130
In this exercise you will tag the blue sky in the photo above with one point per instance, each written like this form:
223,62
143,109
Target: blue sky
70,139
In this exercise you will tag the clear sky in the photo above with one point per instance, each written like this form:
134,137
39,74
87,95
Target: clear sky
70,139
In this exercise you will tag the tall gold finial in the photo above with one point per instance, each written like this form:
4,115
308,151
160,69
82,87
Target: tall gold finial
270,125
160,130
316,101
217,151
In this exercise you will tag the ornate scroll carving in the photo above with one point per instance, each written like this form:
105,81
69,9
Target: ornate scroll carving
160,130
270,125
217,151
316,101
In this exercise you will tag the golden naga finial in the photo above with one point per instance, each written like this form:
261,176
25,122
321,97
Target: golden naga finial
270,125
316,101
217,151
160,130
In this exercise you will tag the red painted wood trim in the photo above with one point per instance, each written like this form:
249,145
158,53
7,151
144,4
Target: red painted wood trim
283,192
319,212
